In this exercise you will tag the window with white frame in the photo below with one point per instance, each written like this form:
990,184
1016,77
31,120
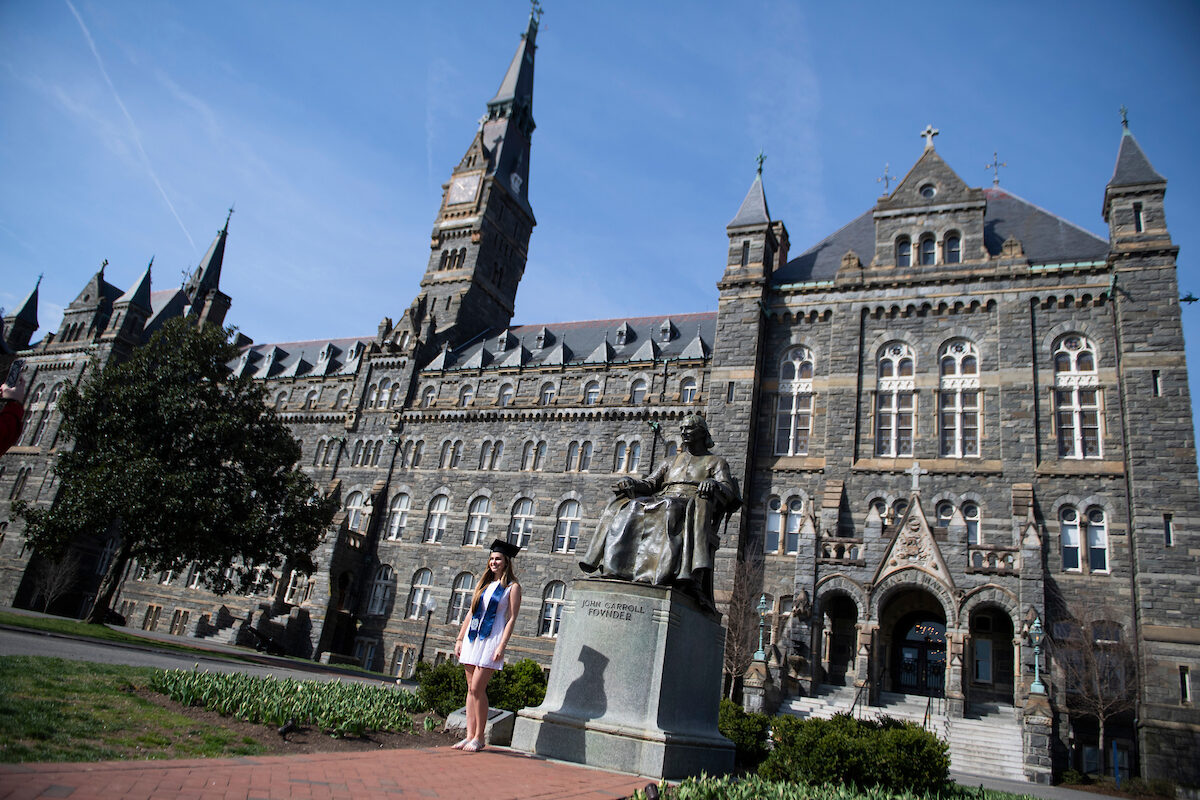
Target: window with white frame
591,393
383,590
791,527
1077,398
784,521
928,250
398,516
895,401
1097,540
460,597
489,454
774,525
355,511
547,393
585,456
435,523
637,391
539,456
465,395
520,528
687,390
552,607
970,513
505,397
419,593
952,248
428,395
794,403
903,252
295,589
418,455
566,530
475,534
319,452
958,399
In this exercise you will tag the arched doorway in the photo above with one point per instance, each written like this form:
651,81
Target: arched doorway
840,634
991,673
913,626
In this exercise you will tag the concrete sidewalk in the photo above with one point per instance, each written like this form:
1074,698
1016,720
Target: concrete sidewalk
495,774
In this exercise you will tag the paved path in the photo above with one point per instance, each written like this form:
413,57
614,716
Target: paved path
495,774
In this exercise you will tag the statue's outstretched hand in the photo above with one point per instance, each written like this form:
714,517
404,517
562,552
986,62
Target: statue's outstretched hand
624,487
708,489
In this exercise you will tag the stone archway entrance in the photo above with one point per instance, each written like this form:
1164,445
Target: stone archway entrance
913,626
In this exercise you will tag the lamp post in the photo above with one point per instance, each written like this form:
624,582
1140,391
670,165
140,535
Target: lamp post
430,605
760,654
1036,637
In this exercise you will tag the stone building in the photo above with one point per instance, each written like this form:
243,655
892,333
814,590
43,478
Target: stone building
956,418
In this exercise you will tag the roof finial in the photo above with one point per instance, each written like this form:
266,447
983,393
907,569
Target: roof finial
760,159
535,11
995,168
227,216
151,264
929,133
887,179
1124,117
103,264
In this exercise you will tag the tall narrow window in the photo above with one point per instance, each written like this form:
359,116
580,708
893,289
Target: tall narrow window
566,530
383,589
793,406
572,455
1185,684
1097,540
591,393
774,525
460,597
1139,221
521,527
1156,383
903,252
637,392
928,251
1069,533
539,456
634,462
971,517
466,395
795,518
983,660
475,534
355,512
1077,399
895,401
546,396
505,397
729,392
428,395
552,607
585,456
398,517
958,400
418,454
687,390
1168,530
419,593
953,249
745,254
527,456
435,523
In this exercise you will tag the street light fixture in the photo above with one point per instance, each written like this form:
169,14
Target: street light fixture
430,605
1036,636
761,654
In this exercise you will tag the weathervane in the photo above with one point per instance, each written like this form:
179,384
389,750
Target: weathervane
887,179
535,10
995,168
1124,116
760,159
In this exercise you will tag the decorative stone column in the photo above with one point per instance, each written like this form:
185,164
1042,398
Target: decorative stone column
1037,735
956,699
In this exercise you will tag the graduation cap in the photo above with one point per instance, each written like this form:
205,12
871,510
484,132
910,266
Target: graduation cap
506,548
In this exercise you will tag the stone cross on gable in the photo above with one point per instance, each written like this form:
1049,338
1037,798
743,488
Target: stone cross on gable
995,167
916,472
887,179
929,133
760,159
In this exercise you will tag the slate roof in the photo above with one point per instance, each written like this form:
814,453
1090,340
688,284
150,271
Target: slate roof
1132,166
298,359
568,343
754,208
164,305
1045,237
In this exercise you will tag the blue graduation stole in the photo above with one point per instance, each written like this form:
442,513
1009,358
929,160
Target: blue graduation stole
483,618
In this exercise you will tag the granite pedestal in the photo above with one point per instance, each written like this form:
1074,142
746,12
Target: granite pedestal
635,684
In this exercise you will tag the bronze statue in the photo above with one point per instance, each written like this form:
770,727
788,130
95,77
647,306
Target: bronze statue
664,529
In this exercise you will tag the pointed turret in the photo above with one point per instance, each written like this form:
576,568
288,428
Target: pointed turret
209,304
514,98
1133,198
754,208
756,244
20,327
130,312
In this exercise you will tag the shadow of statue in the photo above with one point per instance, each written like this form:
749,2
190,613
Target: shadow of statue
585,699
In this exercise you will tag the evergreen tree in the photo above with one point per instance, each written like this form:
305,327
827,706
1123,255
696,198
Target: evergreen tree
185,463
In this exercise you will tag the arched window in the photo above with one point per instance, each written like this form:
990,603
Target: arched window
971,517
566,530
552,607
952,248
435,523
55,393
355,511
527,456
372,396
494,458
1068,529
460,597
383,589
1095,530
958,399
310,400
572,455
521,527
280,400
505,397
1077,398
357,458
591,393
456,454
475,534
376,453
793,405
465,395
539,456
319,452
417,455
546,395
428,395
419,593
398,516
1097,540
774,525
687,390
795,518
633,461
36,396
903,252
928,251
899,508
343,397
895,401
386,387
585,456
331,451
944,514
637,392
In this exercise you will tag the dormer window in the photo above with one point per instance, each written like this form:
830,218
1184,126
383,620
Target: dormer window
953,249
928,251
664,331
927,191
544,338
502,342
623,334
903,252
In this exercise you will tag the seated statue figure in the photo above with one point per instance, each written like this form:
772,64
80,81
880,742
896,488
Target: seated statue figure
664,529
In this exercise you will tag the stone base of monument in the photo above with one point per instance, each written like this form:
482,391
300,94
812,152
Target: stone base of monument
635,685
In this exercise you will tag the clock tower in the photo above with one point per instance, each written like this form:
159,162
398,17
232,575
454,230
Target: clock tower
480,239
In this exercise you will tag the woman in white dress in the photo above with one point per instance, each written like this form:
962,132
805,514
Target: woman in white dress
484,635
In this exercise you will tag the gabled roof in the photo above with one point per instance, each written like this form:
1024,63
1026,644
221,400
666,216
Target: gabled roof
164,305
1045,237
1132,167
139,294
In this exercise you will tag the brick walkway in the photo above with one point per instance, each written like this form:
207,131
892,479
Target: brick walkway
495,774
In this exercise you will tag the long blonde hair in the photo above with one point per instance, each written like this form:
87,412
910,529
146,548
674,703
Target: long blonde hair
507,578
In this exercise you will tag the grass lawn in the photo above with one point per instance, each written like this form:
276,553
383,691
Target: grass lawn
52,709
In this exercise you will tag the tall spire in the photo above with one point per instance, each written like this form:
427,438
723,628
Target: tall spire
754,208
140,293
1132,166
514,98
27,313
208,275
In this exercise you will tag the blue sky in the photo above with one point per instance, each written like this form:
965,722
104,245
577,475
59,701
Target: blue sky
130,127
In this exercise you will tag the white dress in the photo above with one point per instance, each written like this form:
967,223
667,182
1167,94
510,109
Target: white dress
481,652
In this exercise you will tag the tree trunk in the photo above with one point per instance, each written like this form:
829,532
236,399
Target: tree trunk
1103,750
108,586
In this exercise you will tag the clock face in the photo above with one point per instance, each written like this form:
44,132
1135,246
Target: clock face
462,189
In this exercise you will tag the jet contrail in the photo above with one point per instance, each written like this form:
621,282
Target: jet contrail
132,125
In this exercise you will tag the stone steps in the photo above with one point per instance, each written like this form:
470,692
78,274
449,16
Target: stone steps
989,745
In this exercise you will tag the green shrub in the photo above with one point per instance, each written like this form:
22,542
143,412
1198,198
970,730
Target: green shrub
867,753
443,688
748,732
518,685
1073,777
